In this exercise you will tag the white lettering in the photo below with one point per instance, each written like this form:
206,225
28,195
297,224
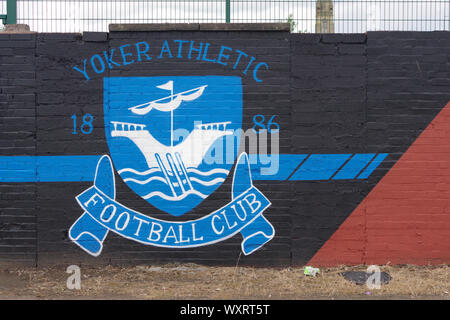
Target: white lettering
214,226
140,224
170,234
152,231
193,234
125,224
180,228
111,215
92,199
226,220
236,211
258,203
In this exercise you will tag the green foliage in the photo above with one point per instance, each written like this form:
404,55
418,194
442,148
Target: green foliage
291,22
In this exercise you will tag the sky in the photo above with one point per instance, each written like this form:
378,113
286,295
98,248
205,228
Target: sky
349,16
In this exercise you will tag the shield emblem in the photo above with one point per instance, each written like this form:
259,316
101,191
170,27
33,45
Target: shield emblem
169,137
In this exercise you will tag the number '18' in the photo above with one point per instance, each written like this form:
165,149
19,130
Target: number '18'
86,127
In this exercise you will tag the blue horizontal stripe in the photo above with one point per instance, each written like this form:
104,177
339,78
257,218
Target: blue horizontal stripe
320,166
354,166
372,166
17,169
275,166
271,167
47,168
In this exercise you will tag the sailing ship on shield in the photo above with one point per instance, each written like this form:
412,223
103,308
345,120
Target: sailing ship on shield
174,166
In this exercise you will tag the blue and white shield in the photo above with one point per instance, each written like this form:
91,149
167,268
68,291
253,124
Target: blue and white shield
173,140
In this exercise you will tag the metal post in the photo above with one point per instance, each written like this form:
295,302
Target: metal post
11,12
227,11
324,16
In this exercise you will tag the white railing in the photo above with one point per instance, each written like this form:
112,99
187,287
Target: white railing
127,126
221,126
348,16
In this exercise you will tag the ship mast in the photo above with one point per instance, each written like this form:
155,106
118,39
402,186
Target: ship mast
168,106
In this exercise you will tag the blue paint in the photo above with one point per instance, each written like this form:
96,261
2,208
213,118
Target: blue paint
180,47
243,214
165,48
222,55
205,53
84,71
85,123
372,166
261,124
94,66
18,169
86,232
320,166
241,53
110,60
125,55
80,168
287,163
144,52
128,54
65,168
47,168
191,48
139,136
354,166
255,71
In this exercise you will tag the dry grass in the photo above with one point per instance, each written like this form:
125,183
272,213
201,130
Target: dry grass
190,281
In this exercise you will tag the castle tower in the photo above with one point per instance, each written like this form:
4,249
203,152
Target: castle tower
324,16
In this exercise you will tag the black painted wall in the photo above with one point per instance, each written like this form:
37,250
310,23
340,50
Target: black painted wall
18,228
334,93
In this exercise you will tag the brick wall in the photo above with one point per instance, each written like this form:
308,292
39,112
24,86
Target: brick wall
404,218
331,94
18,137
328,83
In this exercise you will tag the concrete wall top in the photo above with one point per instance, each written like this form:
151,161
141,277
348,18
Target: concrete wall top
136,27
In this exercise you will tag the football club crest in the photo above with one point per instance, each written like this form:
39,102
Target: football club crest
160,129
166,140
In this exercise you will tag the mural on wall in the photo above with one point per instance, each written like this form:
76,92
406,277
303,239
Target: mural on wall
173,144
148,146
174,141
171,175
166,167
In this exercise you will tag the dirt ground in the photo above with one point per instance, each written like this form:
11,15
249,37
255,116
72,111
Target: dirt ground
190,281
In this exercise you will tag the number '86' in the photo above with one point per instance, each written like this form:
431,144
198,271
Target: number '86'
258,120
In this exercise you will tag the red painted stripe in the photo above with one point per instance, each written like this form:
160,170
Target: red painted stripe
406,217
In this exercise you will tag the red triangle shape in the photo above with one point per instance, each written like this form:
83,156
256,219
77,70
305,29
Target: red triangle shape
405,219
